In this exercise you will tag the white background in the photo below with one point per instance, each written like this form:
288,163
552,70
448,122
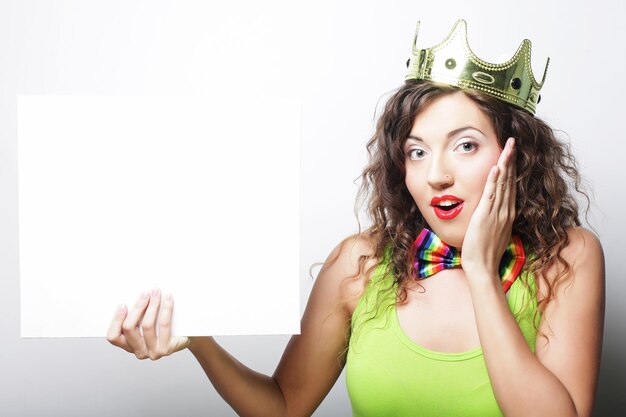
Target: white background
340,59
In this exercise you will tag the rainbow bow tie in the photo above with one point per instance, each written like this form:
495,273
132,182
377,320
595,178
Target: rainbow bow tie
432,255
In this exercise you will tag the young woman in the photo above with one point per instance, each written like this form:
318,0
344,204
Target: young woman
514,329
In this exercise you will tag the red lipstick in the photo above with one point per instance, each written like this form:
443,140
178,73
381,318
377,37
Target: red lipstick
450,209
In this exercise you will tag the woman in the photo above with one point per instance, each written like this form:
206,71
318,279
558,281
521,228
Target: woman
515,329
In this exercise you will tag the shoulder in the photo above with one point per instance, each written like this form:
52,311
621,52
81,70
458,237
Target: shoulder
348,268
583,247
583,256
578,277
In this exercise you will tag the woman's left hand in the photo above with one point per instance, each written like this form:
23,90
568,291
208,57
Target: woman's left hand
489,230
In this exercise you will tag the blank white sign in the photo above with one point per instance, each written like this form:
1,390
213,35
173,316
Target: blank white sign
198,196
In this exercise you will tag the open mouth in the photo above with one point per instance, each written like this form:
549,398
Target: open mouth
447,207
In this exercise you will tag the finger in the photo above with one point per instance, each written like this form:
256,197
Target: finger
148,324
488,198
130,327
172,344
165,325
508,185
114,333
503,179
513,179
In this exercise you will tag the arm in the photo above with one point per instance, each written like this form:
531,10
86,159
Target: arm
309,367
560,379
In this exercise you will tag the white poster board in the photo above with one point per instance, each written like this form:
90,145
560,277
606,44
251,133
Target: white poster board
198,196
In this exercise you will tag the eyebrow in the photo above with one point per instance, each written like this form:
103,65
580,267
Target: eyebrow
450,133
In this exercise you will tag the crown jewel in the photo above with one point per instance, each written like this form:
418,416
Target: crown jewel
452,62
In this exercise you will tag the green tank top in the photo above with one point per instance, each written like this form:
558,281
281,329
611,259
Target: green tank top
387,374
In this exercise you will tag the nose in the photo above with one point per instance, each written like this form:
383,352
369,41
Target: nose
440,175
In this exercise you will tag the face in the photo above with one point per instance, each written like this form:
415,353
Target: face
448,155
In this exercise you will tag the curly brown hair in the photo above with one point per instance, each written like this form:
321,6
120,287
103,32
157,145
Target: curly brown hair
546,174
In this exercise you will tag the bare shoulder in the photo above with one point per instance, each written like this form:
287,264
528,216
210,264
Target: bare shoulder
348,267
585,259
583,247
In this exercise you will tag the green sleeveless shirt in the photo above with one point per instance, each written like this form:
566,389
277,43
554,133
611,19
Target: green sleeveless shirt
387,374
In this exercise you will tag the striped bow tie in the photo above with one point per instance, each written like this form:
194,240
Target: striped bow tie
432,255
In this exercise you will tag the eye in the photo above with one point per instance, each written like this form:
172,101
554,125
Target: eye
466,147
416,154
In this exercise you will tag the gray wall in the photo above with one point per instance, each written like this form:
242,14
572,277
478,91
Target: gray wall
339,60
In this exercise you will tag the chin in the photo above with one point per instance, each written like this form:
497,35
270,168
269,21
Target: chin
456,242
450,234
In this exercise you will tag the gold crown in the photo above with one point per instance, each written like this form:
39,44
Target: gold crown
452,62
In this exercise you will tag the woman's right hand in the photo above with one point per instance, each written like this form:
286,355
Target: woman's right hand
144,330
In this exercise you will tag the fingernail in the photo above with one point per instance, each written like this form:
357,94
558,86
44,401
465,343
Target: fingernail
121,308
169,297
155,292
145,295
